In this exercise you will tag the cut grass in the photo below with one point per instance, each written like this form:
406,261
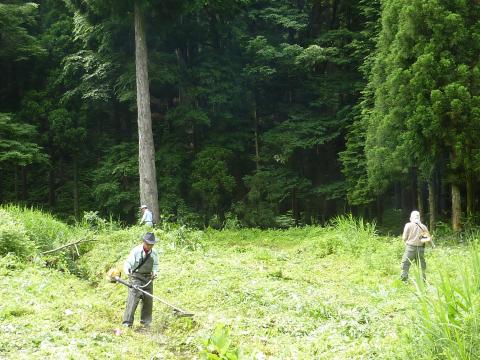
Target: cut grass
292,294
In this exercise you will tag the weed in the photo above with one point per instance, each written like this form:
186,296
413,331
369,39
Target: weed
450,312
219,345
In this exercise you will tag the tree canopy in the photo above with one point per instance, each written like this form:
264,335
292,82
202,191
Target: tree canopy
260,110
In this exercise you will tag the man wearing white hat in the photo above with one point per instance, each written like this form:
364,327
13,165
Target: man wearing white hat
147,216
415,236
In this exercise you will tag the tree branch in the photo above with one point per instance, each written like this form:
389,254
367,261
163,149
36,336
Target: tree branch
64,246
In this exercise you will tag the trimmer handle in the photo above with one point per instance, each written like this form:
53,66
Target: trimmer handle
118,279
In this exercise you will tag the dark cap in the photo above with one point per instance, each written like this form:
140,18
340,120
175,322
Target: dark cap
149,238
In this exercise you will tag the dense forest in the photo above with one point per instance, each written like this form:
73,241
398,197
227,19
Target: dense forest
262,113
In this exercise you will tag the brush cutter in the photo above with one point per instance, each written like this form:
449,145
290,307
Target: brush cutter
176,310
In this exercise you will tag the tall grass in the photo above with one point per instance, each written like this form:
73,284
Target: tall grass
450,312
354,235
41,227
13,237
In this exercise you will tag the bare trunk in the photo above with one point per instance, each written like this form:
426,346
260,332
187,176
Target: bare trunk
51,189
456,208
255,119
15,182
379,209
398,196
75,189
470,195
146,149
432,209
294,207
420,197
24,183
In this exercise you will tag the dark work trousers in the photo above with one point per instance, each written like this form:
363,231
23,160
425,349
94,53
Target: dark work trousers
140,278
413,254
134,296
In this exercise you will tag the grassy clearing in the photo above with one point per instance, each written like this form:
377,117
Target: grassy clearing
306,293
45,314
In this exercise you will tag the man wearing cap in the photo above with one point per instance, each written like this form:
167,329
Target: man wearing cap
142,267
147,216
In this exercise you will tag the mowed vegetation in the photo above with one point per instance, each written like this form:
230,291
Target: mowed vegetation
303,293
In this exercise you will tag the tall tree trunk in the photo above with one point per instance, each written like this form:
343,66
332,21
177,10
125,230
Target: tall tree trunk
255,129
51,188
76,212
15,182
379,209
432,208
420,207
456,208
23,173
412,193
294,205
146,149
398,195
470,194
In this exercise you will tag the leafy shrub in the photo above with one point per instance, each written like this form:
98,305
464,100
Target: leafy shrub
355,235
219,346
231,221
92,221
42,228
10,263
13,237
183,238
285,221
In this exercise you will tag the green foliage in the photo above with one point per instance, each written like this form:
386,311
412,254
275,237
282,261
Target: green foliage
42,228
16,145
450,312
356,235
259,108
116,180
310,292
110,250
14,238
92,221
184,238
84,317
211,179
16,22
171,174
219,346
424,91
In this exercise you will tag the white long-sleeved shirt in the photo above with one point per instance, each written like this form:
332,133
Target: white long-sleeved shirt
411,233
136,256
147,218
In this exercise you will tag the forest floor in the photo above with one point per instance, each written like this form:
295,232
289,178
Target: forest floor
282,294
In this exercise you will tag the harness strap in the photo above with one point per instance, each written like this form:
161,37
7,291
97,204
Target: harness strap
142,262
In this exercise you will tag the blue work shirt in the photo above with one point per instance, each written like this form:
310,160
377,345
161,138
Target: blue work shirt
147,218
